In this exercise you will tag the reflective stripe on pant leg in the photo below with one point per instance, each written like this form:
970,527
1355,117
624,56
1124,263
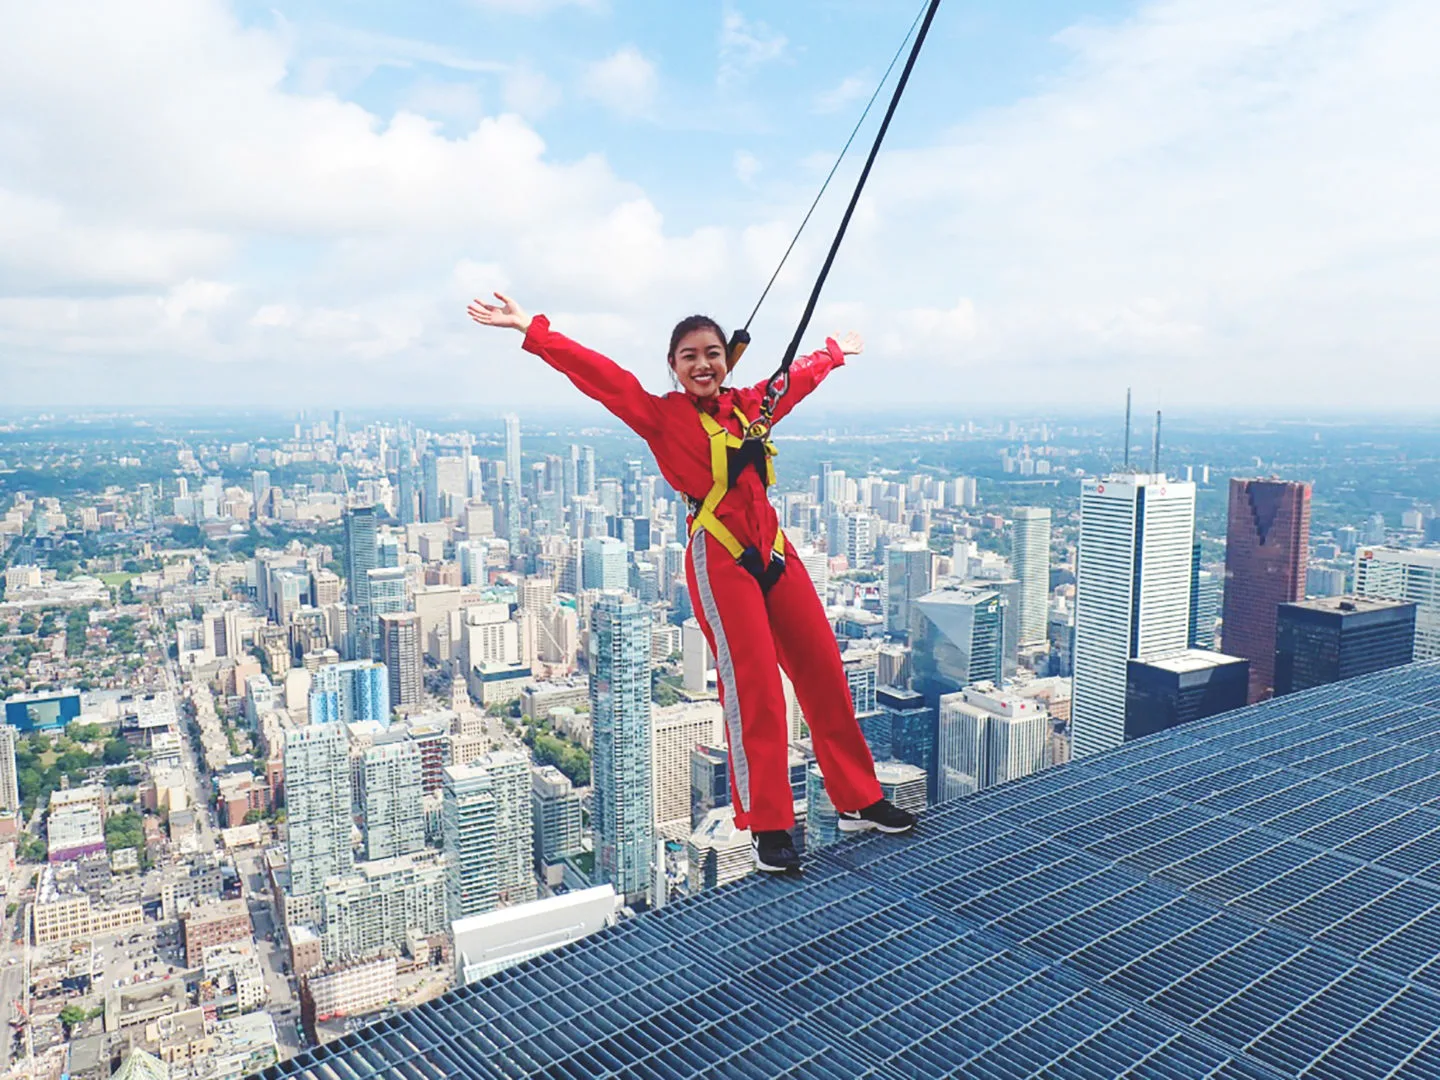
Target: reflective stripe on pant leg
809,655
724,667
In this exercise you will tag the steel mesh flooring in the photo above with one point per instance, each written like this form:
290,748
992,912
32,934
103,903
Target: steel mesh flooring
1251,896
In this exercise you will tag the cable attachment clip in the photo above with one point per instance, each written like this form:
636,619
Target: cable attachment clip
775,389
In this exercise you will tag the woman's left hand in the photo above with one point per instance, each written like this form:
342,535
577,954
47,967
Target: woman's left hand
851,344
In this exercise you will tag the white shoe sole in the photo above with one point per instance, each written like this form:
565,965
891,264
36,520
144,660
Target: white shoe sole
766,868
865,825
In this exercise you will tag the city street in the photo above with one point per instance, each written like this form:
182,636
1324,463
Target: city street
12,978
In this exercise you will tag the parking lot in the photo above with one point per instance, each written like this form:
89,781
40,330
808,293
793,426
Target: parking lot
146,952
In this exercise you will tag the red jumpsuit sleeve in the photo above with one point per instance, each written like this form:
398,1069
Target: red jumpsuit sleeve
596,377
806,373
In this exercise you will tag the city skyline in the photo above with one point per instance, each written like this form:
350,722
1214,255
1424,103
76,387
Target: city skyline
525,740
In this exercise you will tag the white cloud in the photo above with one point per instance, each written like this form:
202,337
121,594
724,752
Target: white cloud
437,99
746,166
624,81
535,7
850,89
746,45
1208,196
530,93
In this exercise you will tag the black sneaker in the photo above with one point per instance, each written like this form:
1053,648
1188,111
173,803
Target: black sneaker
883,815
774,852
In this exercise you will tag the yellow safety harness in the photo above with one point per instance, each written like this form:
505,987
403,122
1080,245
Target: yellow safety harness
722,443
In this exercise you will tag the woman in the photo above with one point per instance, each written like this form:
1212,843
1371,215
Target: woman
751,594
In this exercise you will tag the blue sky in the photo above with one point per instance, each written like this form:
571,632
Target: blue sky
1218,201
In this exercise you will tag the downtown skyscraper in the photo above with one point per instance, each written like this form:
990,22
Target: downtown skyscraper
907,578
9,777
622,812
1031,551
351,691
1412,574
1132,593
486,819
317,806
403,654
391,794
360,558
512,447
1267,548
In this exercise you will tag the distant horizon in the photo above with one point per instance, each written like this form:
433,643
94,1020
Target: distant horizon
814,414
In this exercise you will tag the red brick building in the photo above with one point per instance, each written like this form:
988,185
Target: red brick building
1267,550
215,924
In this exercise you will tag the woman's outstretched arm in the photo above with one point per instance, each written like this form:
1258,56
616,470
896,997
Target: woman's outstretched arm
595,376
807,372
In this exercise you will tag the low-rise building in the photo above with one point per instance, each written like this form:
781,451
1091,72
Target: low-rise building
538,700
69,915
239,1047
183,888
143,1004
496,940
307,951
214,924
233,980
349,990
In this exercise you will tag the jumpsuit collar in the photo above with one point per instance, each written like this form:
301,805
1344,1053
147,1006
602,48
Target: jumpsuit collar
721,404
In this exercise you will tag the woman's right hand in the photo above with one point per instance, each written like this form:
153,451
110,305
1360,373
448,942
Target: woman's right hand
506,313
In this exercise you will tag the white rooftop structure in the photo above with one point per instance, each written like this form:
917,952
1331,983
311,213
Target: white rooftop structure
496,940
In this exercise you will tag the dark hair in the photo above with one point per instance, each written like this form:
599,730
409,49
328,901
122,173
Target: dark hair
689,325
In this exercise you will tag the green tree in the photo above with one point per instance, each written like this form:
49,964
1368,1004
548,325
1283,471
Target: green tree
125,830
71,1015
116,751
32,849
570,759
662,693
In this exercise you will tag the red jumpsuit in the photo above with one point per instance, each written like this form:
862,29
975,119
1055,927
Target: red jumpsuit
752,634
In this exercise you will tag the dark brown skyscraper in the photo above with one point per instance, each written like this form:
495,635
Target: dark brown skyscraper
1265,556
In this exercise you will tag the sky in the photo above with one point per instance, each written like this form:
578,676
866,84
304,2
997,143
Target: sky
1222,203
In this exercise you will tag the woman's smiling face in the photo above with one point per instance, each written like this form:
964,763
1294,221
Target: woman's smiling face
699,362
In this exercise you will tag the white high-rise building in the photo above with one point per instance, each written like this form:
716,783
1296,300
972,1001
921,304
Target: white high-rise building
376,908
1405,574
859,543
907,578
675,731
622,815
1132,593
486,820
9,777
470,554
817,565
391,794
317,805
604,564
512,447
989,736
698,662
1031,558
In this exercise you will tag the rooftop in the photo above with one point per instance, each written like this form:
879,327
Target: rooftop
1182,663
1348,604
1250,896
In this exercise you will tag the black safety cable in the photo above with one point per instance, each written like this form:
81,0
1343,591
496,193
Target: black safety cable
741,338
779,383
